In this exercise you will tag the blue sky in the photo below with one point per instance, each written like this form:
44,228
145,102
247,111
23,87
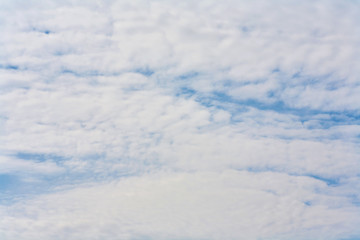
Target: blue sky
179,120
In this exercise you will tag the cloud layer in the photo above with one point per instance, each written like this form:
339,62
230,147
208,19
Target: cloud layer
179,120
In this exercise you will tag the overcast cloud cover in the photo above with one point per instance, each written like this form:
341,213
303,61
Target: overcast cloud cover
178,120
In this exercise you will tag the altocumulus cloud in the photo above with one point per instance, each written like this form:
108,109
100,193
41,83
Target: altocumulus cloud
179,120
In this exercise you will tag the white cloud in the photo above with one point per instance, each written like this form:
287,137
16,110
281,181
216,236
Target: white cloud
11,165
229,204
197,89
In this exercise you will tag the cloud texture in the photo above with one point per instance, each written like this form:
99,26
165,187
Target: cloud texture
179,120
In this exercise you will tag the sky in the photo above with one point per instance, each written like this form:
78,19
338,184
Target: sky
180,120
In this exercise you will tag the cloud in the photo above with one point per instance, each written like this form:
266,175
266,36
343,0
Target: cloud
15,165
230,204
198,120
